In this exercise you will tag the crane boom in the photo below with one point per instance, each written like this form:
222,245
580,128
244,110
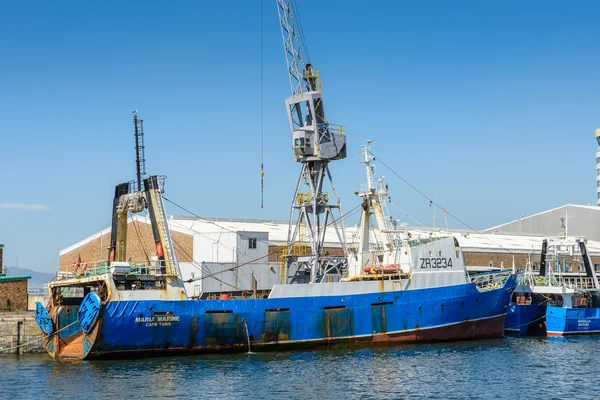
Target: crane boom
315,142
292,45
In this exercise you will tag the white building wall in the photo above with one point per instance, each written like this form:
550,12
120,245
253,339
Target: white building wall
215,247
247,254
189,271
229,263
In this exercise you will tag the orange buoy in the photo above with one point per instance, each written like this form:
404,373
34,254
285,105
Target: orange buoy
224,296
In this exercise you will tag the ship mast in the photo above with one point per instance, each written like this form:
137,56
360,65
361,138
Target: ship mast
315,142
374,199
134,197
140,160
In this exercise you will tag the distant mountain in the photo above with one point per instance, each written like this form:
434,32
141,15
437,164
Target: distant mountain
38,279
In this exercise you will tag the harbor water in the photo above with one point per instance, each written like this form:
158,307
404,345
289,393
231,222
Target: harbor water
511,368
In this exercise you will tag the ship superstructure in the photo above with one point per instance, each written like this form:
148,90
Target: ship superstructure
382,252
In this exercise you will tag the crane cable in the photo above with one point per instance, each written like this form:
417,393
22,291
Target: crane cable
262,113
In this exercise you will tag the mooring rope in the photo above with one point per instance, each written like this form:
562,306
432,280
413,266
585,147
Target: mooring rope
38,339
535,320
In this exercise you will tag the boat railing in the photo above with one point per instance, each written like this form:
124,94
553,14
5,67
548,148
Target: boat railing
335,128
579,282
490,281
572,282
95,268
533,280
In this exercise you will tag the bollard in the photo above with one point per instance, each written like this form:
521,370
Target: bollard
19,326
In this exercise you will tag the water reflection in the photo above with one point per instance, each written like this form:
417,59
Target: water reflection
508,368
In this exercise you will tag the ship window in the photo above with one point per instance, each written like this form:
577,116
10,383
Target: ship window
251,243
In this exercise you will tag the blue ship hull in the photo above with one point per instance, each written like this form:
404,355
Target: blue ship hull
572,321
194,326
535,320
525,320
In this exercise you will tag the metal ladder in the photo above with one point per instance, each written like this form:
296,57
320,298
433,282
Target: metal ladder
163,231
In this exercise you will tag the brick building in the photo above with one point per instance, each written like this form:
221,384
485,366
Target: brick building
13,293
13,289
184,231
140,245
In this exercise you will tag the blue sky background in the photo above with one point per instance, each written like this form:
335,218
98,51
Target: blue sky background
490,106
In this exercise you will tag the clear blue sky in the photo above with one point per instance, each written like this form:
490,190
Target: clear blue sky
490,106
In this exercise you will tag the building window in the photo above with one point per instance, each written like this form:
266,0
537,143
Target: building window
596,267
251,243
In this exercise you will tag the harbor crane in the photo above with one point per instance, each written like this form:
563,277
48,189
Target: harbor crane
315,142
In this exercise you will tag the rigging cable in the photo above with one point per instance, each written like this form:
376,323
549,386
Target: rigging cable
349,213
408,215
39,338
139,237
212,275
300,32
262,112
433,202
98,235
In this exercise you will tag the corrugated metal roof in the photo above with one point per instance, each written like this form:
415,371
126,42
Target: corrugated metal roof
278,232
577,219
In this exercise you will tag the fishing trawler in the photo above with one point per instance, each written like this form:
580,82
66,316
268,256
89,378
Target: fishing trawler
120,307
412,289
556,302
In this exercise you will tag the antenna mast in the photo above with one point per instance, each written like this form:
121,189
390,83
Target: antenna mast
140,160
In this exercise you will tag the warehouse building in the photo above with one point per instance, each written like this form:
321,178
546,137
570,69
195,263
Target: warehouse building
243,255
215,255
570,219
